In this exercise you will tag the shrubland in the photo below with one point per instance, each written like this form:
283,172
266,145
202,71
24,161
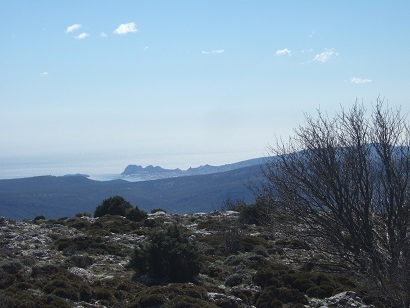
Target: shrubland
164,260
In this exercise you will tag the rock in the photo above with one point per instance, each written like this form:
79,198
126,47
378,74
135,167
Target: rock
200,214
158,214
83,273
231,213
341,300
215,297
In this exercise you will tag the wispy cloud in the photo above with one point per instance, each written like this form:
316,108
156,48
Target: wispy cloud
325,56
82,36
103,34
126,28
213,52
44,73
358,80
283,52
72,28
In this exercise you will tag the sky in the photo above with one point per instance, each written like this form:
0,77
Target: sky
185,83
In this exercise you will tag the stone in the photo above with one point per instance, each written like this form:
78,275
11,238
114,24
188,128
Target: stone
345,299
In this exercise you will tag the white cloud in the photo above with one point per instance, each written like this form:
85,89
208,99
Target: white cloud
72,28
82,36
44,73
126,28
283,52
325,56
103,34
358,80
213,52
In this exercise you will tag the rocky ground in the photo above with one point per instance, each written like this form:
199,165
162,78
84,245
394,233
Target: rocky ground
83,262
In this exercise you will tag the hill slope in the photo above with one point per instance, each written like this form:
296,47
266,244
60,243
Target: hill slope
56,197
82,262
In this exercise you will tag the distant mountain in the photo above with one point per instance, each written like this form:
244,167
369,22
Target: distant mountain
134,169
56,197
154,173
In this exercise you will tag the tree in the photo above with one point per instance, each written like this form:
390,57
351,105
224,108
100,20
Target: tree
347,179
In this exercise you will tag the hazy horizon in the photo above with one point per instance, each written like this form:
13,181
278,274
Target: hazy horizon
180,83
104,167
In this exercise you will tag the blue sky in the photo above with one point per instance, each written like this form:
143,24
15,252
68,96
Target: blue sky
207,81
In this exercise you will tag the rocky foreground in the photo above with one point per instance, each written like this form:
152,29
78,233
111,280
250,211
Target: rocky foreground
83,262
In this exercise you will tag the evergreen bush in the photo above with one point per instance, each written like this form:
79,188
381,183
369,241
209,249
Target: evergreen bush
255,214
117,205
167,255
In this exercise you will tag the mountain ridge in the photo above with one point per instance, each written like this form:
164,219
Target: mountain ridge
151,172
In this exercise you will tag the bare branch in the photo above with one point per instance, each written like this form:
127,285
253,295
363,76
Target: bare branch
347,178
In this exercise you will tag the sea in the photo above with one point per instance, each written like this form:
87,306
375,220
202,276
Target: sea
100,170
107,167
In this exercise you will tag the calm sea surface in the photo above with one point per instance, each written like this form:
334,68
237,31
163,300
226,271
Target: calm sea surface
99,170
106,168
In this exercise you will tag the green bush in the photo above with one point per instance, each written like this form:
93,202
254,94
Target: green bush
62,288
167,256
117,205
82,261
157,210
267,277
173,295
251,242
293,244
227,303
282,295
135,214
318,285
11,267
66,293
101,293
321,291
234,280
255,214
149,300
85,292
231,240
20,286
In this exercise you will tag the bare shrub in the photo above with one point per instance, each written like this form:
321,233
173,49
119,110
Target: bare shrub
347,180
232,240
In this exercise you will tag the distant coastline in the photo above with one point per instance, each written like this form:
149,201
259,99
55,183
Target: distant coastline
101,169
